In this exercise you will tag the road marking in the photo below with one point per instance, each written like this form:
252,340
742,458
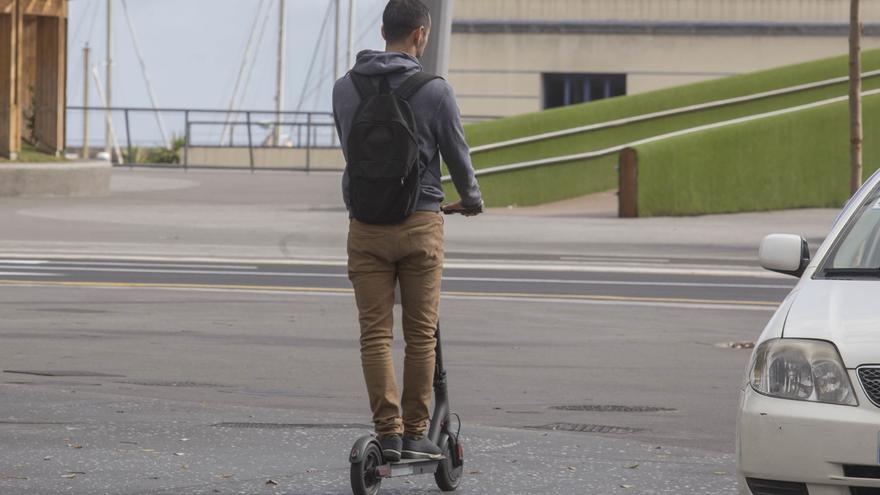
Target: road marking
501,265
157,265
613,259
678,302
28,274
23,262
447,278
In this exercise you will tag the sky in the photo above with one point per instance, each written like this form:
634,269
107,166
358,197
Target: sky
193,50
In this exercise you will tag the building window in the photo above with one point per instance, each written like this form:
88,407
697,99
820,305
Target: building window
570,89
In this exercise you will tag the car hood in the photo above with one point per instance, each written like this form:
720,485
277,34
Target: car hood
844,312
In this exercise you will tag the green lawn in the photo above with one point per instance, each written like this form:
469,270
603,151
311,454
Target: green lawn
529,187
29,154
795,160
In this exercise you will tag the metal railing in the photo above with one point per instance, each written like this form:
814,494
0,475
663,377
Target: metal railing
668,113
136,130
557,160
139,138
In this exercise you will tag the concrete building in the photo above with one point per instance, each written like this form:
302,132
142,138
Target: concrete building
515,56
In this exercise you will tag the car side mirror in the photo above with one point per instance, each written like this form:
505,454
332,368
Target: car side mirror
785,253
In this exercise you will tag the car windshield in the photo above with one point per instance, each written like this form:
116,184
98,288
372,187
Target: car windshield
858,247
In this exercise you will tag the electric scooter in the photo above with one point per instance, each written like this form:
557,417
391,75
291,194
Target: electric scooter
369,468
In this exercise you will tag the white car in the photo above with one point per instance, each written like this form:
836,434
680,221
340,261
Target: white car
809,418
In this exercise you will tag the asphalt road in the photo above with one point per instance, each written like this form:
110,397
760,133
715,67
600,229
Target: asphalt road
576,279
131,325
539,340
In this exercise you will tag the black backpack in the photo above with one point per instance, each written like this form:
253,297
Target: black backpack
383,151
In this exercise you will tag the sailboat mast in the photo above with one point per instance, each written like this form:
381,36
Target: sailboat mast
279,77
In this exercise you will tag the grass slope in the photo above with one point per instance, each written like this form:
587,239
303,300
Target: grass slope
529,187
789,161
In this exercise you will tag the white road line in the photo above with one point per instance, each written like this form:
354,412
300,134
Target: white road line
613,259
501,265
494,298
446,278
29,274
23,262
157,265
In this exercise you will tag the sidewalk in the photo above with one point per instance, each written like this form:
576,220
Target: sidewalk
284,215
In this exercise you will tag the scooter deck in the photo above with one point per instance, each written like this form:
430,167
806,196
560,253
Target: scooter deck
407,467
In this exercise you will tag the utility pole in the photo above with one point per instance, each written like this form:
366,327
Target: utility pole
108,90
436,57
85,145
351,13
338,34
855,97
279,77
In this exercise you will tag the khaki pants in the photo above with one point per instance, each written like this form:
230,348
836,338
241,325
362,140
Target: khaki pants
379,256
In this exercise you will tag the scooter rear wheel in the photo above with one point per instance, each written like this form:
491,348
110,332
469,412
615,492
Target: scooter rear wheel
447,475
364,479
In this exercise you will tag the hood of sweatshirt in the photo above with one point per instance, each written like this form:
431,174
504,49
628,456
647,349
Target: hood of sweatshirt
374,63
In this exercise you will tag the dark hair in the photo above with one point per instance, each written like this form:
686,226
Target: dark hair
401,17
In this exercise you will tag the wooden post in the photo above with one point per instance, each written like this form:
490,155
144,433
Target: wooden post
855,97
10,74
628,194
50,83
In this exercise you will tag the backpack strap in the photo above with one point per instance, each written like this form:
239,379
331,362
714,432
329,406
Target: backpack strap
363,84
414,83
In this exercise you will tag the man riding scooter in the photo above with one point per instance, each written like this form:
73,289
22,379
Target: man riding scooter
395,122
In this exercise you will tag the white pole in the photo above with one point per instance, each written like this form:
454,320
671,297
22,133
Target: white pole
351,18
103,98
337,36
109,74
150,92
436,57
85,146
279,78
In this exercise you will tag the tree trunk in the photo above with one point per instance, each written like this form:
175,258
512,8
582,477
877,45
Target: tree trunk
855,97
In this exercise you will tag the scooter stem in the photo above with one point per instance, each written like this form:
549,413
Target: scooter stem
441,397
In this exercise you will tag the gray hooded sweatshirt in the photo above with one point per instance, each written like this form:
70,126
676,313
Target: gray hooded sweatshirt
437,119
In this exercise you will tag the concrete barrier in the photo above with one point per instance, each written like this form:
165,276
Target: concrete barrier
65,179
266,158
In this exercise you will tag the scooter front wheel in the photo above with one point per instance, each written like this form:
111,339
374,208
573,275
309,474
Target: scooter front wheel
448,475
364,478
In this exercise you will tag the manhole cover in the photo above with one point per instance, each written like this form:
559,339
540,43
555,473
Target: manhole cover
293,426
611,408
586,428
182,384
65,373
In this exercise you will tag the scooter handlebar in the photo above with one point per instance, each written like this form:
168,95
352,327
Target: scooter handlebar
468,212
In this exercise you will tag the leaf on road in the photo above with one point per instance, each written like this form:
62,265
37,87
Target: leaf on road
74,445
272,482
69,476
632,466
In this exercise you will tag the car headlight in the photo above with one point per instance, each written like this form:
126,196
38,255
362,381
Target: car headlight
809,370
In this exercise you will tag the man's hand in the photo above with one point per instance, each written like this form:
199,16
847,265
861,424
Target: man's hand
456,207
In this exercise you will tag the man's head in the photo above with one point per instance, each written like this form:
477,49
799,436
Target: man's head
406,25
